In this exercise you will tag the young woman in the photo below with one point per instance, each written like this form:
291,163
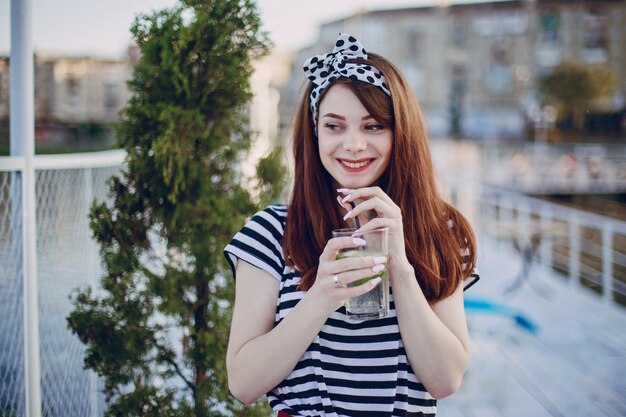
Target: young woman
360,149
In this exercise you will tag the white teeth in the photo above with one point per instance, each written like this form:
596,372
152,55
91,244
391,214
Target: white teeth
354,164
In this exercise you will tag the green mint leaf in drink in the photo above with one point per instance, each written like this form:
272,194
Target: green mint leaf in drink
354,253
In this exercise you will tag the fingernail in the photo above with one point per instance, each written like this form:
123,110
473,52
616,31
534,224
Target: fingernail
346,198
342,190
379,260
359,241
348,214
378,268
375,282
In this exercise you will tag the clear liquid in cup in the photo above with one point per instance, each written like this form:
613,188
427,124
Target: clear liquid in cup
373,304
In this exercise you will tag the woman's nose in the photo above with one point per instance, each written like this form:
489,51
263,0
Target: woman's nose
354,142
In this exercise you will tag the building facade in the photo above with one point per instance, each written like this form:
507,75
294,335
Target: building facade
474,67
74,89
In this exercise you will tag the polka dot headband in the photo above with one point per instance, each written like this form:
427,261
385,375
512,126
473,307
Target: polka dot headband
323,69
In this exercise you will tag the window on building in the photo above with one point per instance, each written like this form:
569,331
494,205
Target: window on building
499,80
110,96
595,36
460,31
414,44
73,93
549,24
72,86
411,58
595,29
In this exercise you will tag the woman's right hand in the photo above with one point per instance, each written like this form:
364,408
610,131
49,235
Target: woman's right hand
333,275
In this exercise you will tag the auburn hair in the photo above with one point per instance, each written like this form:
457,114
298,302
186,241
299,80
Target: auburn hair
435,233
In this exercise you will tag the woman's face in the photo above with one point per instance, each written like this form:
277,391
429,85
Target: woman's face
354,147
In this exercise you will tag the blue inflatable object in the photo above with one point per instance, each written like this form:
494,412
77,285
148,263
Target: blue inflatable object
521,319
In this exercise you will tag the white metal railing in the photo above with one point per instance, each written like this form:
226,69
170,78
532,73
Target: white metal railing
66,257
100,159
589,249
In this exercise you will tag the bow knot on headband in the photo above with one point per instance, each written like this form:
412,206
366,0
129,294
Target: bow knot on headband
323,69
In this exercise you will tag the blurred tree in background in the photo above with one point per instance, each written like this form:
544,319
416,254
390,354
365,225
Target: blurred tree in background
156,331
271,167
574,89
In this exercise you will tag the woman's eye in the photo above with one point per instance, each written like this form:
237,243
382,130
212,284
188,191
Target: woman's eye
375,127
331,126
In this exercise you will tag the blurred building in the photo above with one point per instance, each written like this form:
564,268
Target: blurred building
75,89
80,89
474,66
270,73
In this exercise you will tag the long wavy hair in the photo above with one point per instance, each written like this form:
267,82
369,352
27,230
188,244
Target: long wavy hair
435,233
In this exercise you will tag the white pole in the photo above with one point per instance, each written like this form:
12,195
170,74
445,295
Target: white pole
22,105
574,251
607,263
547,245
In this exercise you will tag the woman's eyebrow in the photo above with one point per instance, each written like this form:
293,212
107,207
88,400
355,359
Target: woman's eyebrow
336,116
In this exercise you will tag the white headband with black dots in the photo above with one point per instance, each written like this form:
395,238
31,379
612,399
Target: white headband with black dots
323,69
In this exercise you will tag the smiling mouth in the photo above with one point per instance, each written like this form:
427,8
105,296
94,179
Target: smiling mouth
355,165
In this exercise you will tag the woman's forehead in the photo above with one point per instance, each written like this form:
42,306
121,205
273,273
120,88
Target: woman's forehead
341,101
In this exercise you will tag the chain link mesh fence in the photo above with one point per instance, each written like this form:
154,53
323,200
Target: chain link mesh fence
67,259
12,394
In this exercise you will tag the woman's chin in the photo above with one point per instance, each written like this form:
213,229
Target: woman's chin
355,183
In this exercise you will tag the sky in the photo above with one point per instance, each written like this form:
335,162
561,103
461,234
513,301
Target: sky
101,28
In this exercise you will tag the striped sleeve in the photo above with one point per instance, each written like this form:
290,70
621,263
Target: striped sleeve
259,242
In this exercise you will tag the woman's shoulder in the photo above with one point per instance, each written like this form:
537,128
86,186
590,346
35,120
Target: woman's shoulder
259,241
279,210
270,219
274,215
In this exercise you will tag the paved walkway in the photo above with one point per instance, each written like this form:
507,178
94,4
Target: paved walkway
573,366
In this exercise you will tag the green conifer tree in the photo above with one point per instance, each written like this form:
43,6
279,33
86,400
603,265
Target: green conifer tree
156,331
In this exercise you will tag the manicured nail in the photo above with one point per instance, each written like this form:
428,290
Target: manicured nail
378,268
342,190
348,214
374,282
359,241
379,260
346,198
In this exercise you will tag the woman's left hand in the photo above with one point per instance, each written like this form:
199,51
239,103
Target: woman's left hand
388,215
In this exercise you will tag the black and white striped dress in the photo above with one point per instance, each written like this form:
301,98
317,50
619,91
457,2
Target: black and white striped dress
352,368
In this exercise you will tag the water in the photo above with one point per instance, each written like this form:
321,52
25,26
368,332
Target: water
373,304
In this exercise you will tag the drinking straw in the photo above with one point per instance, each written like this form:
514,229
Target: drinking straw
356,218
